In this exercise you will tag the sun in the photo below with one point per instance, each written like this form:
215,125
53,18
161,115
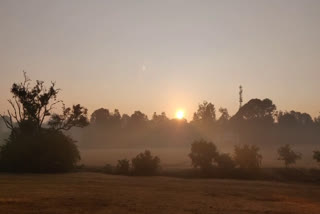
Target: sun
180,114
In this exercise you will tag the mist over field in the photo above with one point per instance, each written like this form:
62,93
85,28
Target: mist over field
159,107
111,136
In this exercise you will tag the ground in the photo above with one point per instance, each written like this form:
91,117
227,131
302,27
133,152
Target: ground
99,193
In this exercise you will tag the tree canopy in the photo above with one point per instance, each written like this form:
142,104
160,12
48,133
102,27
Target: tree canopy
32,145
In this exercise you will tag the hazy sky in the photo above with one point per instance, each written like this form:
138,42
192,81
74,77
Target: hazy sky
164,55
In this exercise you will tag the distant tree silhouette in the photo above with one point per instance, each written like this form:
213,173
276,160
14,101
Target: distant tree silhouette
294,119
316,156
224,115
125,120
206,113
32,147
123,167
104,118
254,121
287,155
257,110
161,118
100,117
247,156
203,154
145,164
138,119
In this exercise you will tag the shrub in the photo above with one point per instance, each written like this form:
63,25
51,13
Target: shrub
123,167
203,154
47,151
316,156
247,156
145,164
287,155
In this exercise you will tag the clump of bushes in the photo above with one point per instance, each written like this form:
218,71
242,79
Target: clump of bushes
287,155
143,164
247,156
47,151
205,156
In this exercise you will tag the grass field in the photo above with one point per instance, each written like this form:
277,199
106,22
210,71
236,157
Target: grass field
99,193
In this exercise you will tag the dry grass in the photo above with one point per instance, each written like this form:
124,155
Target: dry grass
99,193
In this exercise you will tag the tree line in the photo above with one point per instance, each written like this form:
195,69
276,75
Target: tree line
40,141
256,122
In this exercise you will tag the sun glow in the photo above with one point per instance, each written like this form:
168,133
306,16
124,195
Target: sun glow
180,114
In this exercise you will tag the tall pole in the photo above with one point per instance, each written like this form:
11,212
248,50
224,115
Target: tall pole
240,96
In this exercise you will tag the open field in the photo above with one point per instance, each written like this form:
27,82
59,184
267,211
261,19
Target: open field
99,193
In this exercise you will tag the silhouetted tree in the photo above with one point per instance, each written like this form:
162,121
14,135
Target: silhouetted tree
161,118
224,115
257,110
203,154
30,105
105,119
206,113
32,147
100,117
70,117
48,151
138,119
247,156
125,120
254,121
123,167
294,119
145,164
287,155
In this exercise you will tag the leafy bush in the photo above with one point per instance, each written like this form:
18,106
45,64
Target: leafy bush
287,155
247,156
316,156
47,151
203,154
123,167
145,164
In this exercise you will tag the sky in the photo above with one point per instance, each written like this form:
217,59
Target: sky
164,55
